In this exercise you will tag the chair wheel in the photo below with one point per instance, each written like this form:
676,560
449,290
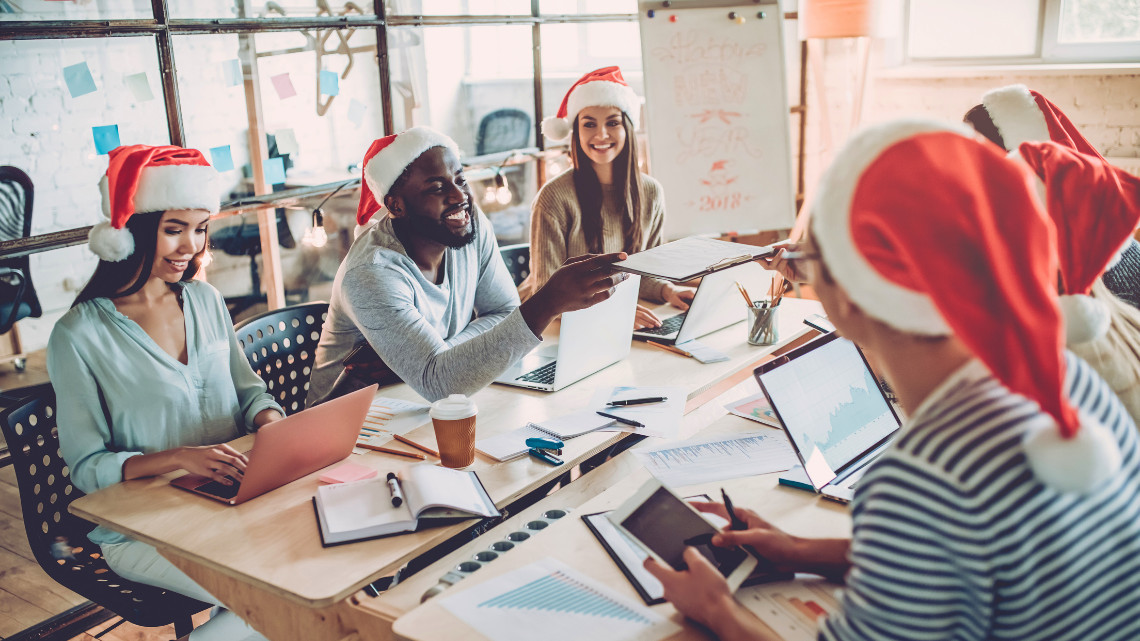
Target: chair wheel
21,364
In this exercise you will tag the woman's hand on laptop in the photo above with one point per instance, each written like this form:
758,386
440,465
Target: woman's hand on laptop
645,318
679,297
218,462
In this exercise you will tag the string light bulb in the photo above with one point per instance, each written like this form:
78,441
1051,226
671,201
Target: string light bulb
316,236
502,190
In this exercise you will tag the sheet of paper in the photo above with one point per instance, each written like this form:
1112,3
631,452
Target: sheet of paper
719,458
702,352
222,158
575,424
78,79
755,408
389,416
356,111
106,138
661,419
330,83
791,608
232,72
139,86
549,600
683,258
286,141
275,170
284,86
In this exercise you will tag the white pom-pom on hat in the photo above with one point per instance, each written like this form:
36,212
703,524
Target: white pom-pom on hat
556,129
109,243
1086,318
1079,464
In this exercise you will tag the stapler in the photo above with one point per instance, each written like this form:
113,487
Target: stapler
544,449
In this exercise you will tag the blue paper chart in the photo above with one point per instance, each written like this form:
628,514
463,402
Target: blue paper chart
558,592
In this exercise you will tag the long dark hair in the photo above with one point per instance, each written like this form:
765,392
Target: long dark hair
127,276
589,190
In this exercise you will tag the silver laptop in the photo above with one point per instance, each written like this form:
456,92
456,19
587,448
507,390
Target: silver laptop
834,412
716,305
589,340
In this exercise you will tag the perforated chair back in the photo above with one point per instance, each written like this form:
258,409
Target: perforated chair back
18,298
280,346
58,538
517,258
503,130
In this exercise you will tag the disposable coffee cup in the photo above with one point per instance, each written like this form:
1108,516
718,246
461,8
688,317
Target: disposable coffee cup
762,326
454,421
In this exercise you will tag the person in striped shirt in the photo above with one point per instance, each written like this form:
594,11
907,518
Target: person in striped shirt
1009,506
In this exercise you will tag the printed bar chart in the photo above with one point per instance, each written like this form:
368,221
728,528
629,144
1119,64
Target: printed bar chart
558,592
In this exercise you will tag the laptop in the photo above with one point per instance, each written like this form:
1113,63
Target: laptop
716,305
287,449
589,340
834,411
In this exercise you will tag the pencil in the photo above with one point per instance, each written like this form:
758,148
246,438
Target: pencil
669,348
744,293
422,448
387,450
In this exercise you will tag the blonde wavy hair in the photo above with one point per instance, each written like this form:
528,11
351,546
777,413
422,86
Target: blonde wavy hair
1116,355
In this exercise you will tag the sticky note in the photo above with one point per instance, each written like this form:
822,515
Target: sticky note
275,171
139,86
347,473
221,158
330,83
356,112
286,141
106,138
78,79
284,86
232,69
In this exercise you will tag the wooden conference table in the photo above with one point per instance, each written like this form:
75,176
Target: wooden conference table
264,558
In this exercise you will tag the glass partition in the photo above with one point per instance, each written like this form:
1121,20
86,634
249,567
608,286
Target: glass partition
23,10
184,9
457,7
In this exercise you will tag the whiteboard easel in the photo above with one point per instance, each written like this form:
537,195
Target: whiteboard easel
717,115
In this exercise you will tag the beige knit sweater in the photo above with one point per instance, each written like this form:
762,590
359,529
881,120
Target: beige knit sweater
556,229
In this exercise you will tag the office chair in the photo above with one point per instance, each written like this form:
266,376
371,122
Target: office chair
58,539
280,345
503,130
517,258
18,299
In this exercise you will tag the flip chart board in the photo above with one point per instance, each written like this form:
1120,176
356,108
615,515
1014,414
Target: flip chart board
717,115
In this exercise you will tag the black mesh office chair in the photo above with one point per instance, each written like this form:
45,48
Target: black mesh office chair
59,539
517,258
280,346
503,130
18,297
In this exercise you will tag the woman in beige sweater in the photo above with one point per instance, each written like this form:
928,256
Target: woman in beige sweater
603,203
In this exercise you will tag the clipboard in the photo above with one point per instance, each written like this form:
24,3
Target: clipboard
692,257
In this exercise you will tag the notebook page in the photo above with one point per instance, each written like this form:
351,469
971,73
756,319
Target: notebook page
360,504
427,486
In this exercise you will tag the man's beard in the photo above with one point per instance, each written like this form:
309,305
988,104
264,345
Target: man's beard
415,225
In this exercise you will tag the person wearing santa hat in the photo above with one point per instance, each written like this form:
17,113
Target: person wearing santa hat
1095,208
148,374
424,286
603,202
1011,115
1007,506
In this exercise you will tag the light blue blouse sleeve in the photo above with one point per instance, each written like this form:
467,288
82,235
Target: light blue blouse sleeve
84,435
251,391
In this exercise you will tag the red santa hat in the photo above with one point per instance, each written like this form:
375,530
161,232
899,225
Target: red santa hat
603,87
1095,208
916,221
1023,115
142,179
387,158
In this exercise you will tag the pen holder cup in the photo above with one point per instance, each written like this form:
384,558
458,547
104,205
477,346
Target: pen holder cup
763,326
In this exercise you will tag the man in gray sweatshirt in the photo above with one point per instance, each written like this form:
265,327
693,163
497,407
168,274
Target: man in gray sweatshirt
425,286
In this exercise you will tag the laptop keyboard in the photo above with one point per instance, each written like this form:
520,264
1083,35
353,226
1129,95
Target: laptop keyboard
543,375
670,325
219,489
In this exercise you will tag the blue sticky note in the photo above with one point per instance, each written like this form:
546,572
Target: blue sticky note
233,73
330,83
106,138
222,159
275,171
79,80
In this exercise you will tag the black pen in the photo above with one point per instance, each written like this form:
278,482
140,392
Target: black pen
637,401
620,419
394,490
737,522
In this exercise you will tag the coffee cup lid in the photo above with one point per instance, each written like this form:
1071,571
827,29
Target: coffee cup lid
453,407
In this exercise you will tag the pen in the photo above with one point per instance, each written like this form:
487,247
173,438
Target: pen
637,401
620,419
669,348
388,450
422,448
394,489
737,522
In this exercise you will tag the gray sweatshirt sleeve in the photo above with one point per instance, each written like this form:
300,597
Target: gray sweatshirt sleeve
381,302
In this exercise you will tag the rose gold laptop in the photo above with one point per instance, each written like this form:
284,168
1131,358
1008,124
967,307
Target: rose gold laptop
285,450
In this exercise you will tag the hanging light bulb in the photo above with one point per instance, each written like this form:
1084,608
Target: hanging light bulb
490,194
316,236
502,190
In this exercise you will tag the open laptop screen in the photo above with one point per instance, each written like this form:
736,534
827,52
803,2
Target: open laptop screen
829,403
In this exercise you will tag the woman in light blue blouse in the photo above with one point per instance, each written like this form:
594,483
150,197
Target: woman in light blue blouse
148,374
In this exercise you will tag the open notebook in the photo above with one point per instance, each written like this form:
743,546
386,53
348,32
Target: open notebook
433,496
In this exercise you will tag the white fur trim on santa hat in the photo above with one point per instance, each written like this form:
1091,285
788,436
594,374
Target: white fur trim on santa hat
110,244
1016,115
171,187
597,93
1086,318
386,166
901,308
1080,464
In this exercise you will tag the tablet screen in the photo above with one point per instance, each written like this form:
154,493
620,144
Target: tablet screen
664,524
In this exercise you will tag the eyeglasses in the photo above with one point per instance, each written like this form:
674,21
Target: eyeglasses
800,263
